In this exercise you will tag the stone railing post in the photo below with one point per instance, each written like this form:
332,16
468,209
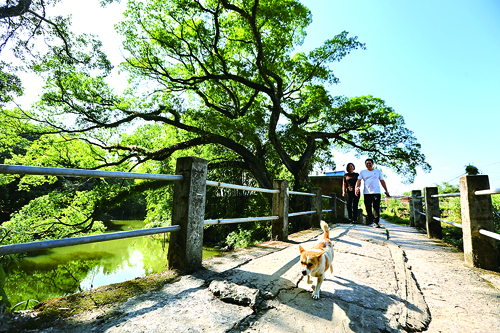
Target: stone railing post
316,205
477,213
432,210
185,250
412,211
417,207
279,229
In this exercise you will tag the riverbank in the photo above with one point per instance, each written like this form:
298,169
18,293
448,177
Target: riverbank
63,271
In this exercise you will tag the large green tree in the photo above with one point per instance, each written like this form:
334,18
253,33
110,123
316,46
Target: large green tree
220,79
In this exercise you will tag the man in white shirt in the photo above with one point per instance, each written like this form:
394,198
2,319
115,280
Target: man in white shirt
371,192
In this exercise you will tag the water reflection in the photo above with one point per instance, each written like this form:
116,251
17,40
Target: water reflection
62,271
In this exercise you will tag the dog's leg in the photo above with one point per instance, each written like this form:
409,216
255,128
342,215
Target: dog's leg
315,294
309,281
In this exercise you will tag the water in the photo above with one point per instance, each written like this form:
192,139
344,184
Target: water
63,271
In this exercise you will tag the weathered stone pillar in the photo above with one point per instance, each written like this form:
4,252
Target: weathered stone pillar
417,207
477,213
432,210
185,248
316,205
279,229
412,212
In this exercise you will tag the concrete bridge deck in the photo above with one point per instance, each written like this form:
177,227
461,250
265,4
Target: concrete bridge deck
392,279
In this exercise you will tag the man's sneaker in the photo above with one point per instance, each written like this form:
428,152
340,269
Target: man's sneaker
375,225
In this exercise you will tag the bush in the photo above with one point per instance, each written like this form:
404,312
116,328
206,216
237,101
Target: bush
244,237
399,208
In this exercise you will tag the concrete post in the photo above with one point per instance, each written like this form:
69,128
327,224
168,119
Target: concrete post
332,205
418,207
432,210
477,213
316,205
185,248
412,212
279,229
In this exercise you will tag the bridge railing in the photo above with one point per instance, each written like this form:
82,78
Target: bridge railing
478,229
189,196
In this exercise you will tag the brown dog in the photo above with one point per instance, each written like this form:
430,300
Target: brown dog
316,262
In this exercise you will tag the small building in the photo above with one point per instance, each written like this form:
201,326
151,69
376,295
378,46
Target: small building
331,182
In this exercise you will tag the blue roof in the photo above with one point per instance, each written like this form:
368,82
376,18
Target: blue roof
334,173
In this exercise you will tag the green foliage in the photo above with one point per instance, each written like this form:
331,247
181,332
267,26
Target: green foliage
393,218
446,187
451,209
471,170
246,237
496,211
398,208
453,236
55,215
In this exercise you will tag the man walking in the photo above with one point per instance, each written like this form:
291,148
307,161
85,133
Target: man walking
371,191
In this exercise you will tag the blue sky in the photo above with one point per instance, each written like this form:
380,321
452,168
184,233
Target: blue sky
437,63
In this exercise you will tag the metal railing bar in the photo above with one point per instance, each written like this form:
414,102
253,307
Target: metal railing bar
446,195
486,192
489,234
239,220
327,210
46,171
342,201
50,244
419,197
240,187
421,213
327,196
302,193
301,213
458,225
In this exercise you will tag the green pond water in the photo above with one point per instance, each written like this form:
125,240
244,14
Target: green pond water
63,271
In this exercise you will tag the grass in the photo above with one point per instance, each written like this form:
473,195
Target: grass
390,217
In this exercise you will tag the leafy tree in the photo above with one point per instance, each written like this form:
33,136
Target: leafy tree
446,187
220,80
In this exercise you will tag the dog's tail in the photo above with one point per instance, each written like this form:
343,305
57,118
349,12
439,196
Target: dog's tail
326,229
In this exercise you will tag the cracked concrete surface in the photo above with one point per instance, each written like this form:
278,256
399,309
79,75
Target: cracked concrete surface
373,289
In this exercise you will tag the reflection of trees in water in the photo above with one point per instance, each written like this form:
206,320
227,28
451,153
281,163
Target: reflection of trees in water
43,284
62,273
154,256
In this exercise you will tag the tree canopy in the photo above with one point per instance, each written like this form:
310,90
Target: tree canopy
220,79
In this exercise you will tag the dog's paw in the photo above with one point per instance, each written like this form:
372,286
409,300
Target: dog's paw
315,295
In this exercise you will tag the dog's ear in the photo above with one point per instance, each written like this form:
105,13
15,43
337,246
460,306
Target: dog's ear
319,254
301,249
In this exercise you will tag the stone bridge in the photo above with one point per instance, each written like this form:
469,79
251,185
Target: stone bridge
392,279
